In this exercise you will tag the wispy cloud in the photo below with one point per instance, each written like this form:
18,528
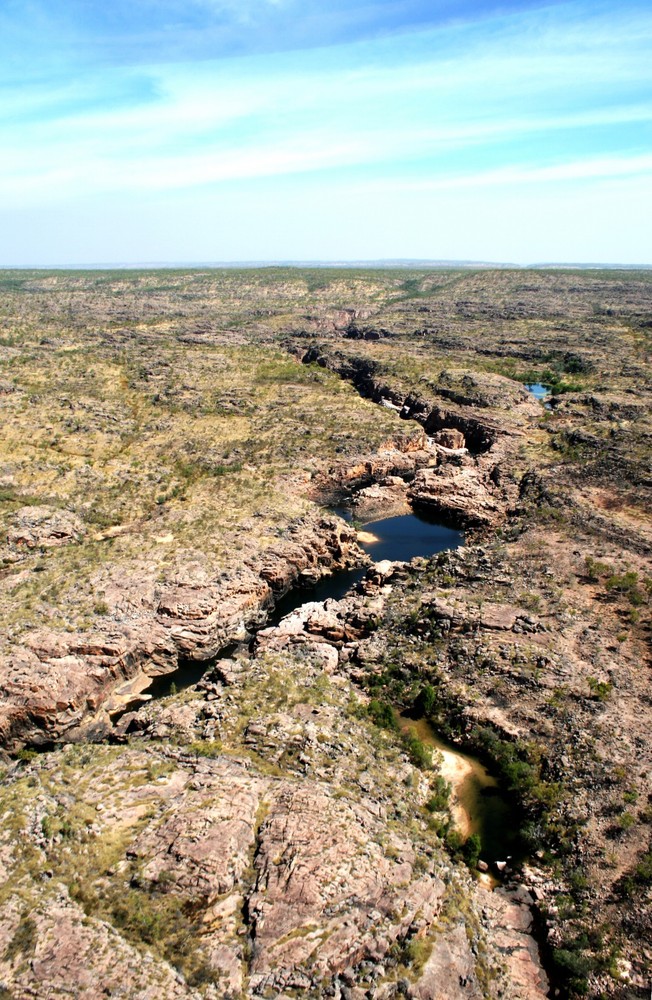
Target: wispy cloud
425,98
126,33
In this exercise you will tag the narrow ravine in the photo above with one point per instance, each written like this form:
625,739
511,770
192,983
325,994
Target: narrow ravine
397,539
477,806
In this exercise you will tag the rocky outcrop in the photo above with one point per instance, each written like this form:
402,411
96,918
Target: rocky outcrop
463,497
448,437
34,527
56,950
327,624
255,884
382,498
395,461
451,402
58,681
458,613
509,914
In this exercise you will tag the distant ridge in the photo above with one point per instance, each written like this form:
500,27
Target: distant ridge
389,263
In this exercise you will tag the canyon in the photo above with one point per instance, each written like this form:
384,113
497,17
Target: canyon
206,795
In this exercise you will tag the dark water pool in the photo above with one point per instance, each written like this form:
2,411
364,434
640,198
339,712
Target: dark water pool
407,536
396,538
478,804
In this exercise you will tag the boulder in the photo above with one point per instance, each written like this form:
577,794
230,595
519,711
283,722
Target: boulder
460,496
449,437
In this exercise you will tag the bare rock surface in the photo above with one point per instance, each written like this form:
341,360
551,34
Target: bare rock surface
449,970
449,437
510,915
386,498
55,949
394,460
268,832
281,860
58,681
44,526
325,888
463,496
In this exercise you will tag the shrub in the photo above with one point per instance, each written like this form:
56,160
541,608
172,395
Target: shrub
599,689
382,714
471,850
626,821
441,788
627,585
643,870
426,701
418,752
574,967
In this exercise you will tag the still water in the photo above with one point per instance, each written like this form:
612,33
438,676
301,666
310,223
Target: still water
539,391
477,804
396,538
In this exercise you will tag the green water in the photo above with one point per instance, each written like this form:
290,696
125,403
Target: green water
478,803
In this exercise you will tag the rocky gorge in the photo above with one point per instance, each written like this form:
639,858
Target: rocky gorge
269,830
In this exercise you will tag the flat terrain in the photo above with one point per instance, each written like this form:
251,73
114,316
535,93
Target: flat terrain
173,445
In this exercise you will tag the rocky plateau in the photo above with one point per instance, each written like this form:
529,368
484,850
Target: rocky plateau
203,797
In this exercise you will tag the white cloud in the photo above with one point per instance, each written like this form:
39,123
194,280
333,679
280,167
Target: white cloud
538,101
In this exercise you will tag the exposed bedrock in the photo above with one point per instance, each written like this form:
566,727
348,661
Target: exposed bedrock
450,402
57,682
461,469
396,460
459,496
293,884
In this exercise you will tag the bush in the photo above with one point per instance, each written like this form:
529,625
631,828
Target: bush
418,752
574,967
438,802
471,850
454,842
426,701
643,870
382,714
627,585
599,689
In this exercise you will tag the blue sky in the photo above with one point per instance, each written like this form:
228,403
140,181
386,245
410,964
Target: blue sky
215,130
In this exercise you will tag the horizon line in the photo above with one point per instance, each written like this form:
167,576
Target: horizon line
379,263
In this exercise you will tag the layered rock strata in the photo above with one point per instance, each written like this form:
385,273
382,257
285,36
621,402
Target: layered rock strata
57,681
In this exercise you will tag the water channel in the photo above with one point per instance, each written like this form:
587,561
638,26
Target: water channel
477,806
540,392
395,538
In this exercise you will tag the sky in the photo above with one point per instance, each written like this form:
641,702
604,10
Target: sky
188,131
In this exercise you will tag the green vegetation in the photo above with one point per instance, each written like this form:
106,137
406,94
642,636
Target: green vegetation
441,790
168,412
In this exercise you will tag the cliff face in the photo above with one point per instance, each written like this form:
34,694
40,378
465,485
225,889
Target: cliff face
59,683
262,836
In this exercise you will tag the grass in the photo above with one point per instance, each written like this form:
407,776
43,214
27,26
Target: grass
176,461
163,409
160,404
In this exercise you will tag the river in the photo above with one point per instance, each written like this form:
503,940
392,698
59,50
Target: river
477,805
